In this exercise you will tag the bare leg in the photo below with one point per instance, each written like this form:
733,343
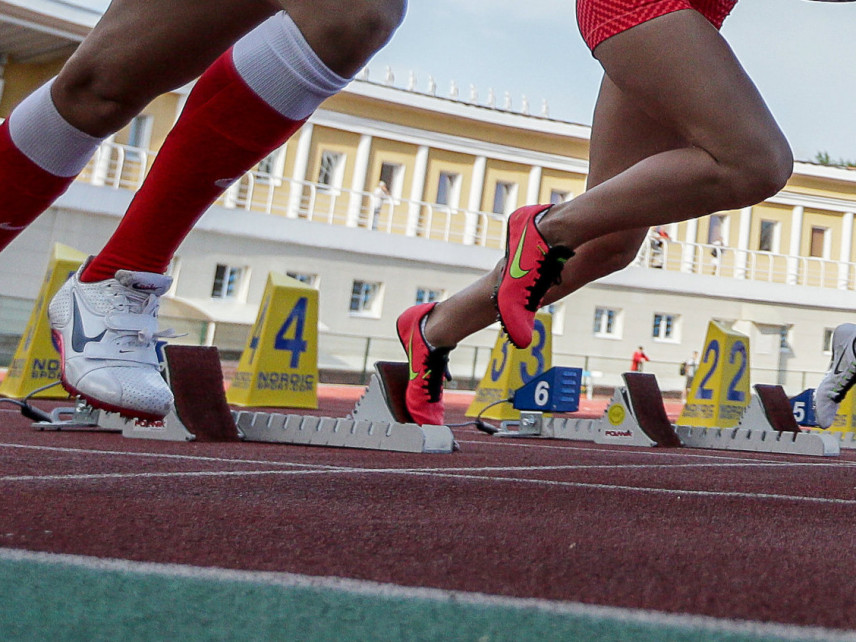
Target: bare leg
679,70
665,148
622,135
140,50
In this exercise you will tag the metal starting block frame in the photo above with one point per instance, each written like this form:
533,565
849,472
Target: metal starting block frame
555,390
766,425
636,417
379,421
84,417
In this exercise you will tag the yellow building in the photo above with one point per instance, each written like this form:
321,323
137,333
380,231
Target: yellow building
781,272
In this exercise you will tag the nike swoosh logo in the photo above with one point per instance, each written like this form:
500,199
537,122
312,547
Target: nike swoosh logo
413,375
838,364
10,227
515,271
225,183
78,334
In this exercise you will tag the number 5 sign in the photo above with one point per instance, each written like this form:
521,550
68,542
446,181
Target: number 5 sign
279,365
720,388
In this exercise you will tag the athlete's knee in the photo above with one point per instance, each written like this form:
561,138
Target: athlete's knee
346,36
96,96
376,20
761,172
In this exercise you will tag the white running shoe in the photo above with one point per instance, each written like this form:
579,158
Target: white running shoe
839,378
107,333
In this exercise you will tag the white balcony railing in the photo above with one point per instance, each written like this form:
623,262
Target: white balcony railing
121,166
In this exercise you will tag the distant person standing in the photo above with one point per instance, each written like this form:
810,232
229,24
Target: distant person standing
379,197
638,357
688,369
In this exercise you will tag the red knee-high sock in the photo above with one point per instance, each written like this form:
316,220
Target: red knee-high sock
224,130
26,190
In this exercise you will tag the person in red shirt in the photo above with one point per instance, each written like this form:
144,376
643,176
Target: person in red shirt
638,357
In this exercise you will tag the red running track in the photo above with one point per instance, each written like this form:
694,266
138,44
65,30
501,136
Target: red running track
736,535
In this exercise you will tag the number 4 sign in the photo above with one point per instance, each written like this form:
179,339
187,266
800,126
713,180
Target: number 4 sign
720,388
279,365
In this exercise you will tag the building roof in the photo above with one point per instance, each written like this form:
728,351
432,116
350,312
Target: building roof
43,30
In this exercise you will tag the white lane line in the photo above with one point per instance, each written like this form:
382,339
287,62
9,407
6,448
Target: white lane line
654,452
724,462
204,458
738,461
442,474
380,590
343,469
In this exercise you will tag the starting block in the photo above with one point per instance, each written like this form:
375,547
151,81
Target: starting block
379,421
767,425
199,412
636,416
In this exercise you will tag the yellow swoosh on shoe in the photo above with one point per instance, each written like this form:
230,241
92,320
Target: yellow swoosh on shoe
515,271
413,375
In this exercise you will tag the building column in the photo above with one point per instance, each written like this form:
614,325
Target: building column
793,273
301,165
533,189
689,257
101,168
358,183
846,251
475,200
417,189
743,234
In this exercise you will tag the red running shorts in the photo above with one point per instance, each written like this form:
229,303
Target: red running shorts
602,19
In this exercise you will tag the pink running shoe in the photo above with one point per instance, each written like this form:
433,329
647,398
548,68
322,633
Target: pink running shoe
527,275
428,367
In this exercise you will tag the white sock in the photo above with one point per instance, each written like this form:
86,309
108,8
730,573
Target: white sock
46,138
278,64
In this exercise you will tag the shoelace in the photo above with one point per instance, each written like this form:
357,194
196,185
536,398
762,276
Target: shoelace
437,367
549,274
144,304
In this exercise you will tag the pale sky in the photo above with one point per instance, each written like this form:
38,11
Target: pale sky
800,54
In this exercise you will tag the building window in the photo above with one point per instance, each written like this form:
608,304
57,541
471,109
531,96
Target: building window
271,167
717,232
308,279
227,281
504,198
769,239
557,197
557,313
447,188
139,137
392,174
665,327
365,298
818,244
827,340
785,338
427,295
606,322
330,173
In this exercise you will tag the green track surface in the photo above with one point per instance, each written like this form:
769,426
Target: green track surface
44,600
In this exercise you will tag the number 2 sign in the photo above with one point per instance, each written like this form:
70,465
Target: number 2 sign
720,388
